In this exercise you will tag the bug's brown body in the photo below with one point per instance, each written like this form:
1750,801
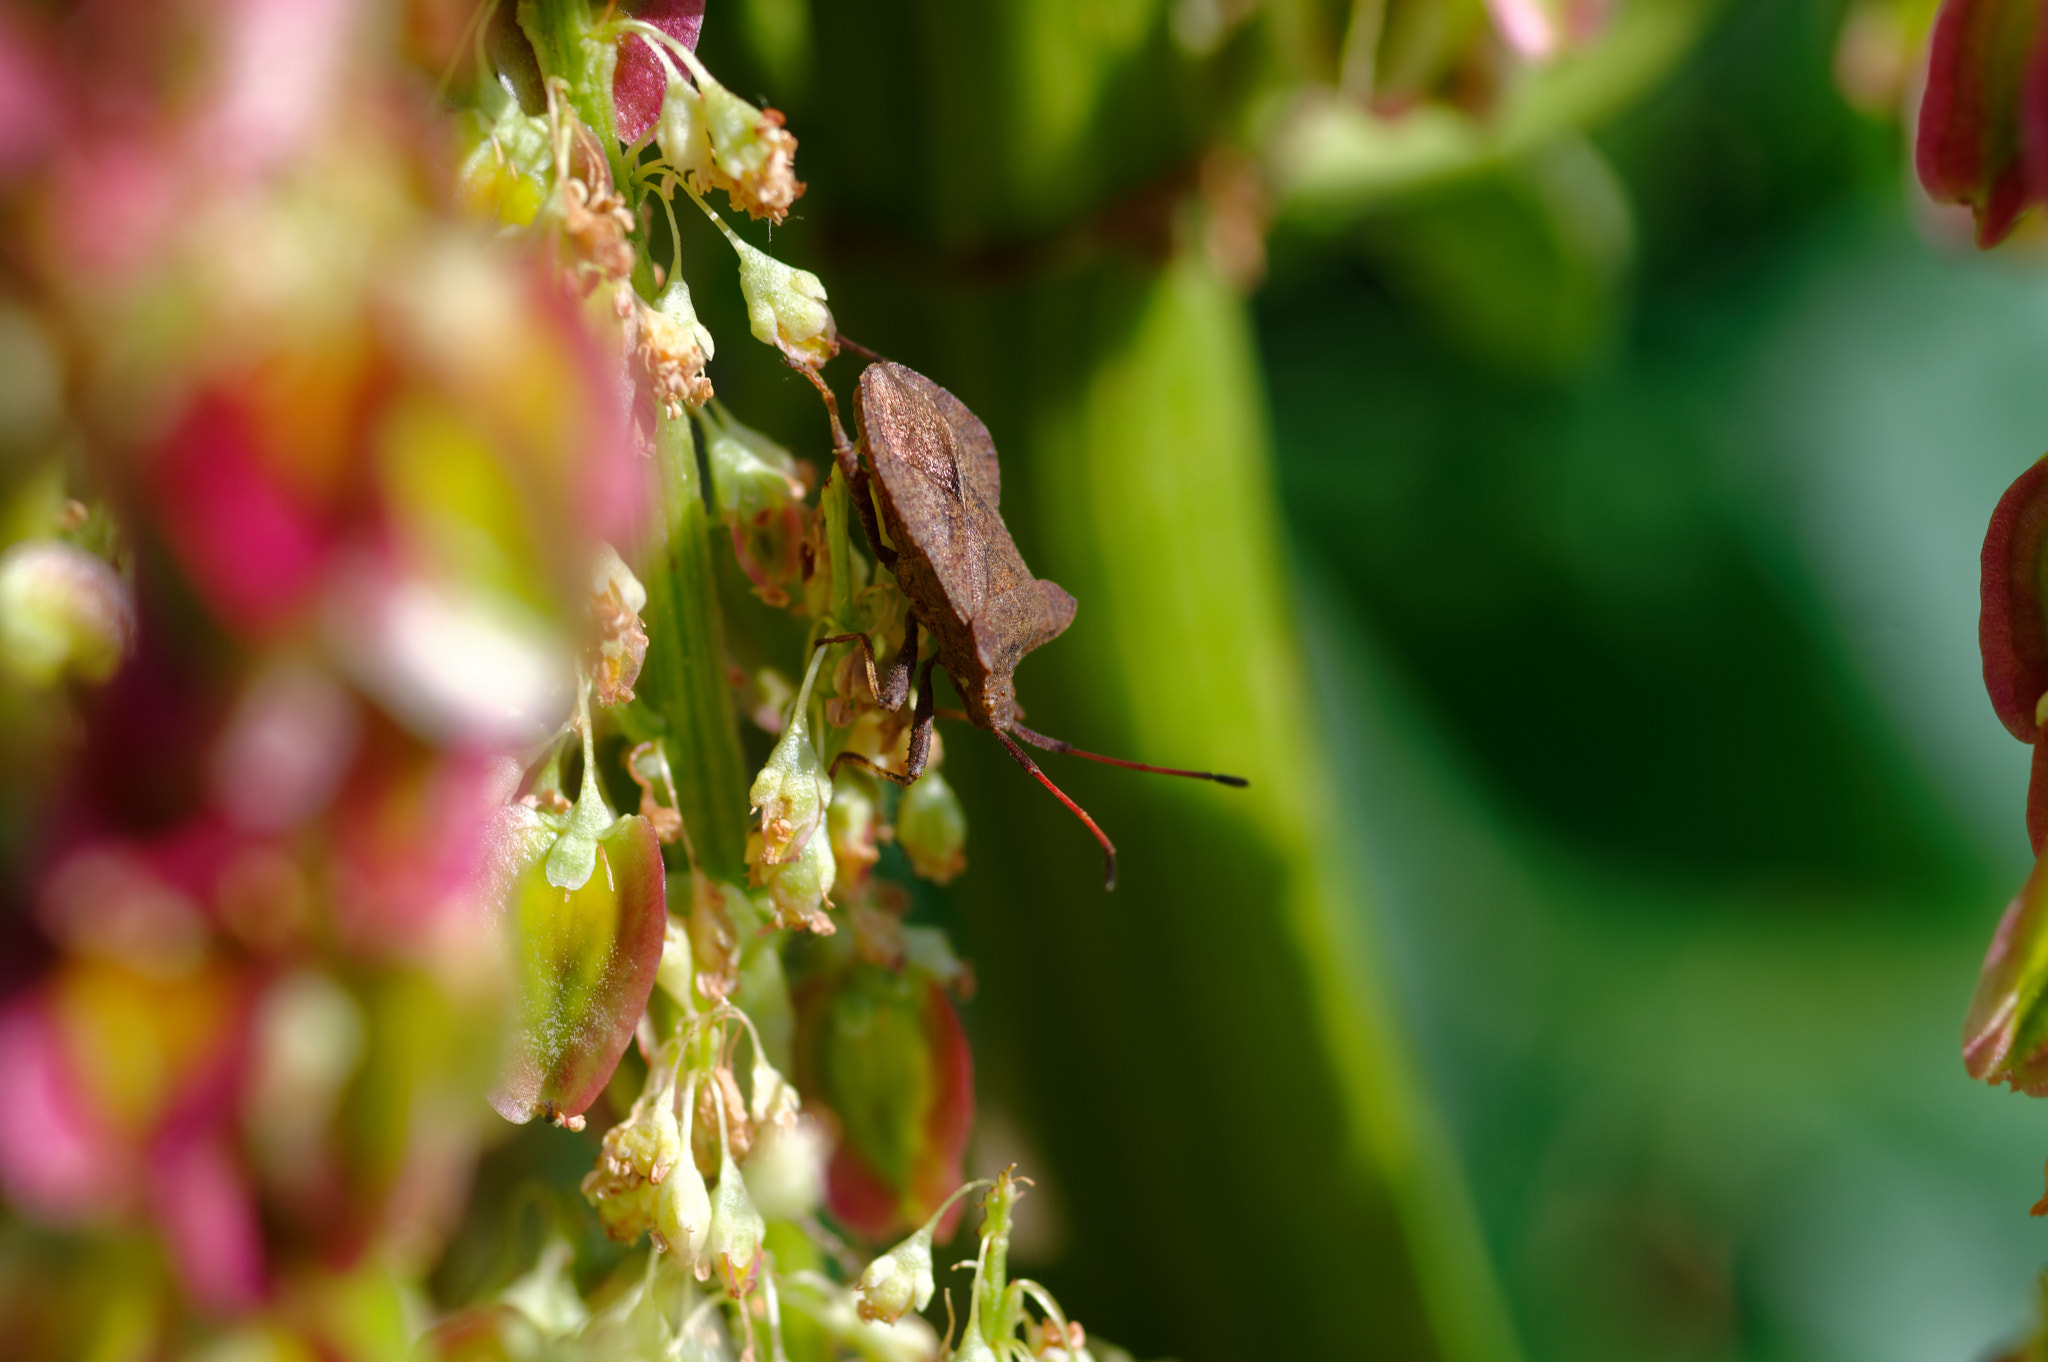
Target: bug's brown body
938,490
930,500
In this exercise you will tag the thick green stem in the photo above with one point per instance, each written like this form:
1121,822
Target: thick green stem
838,504
683,699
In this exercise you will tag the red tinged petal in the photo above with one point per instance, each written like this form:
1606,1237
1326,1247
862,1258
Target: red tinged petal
584,961
1981,57
2005,1036
2012,632
640,78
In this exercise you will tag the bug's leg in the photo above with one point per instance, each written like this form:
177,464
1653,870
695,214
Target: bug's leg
896,688
856,759
842,448
848,459
921,722
920,738
867,657
1108,847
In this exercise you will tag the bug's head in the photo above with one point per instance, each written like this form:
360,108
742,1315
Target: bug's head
998,699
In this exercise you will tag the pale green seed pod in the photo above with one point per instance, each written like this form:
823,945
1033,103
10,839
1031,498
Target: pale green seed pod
931,827
734,1244
791,852
786,1169
677,973
786,307
899,1280
681,132
851,823
682,1206
752,477
799,889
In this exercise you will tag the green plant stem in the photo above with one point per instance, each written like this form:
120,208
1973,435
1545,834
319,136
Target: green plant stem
683,698
838,503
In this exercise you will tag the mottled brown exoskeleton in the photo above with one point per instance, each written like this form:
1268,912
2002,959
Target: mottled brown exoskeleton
928,490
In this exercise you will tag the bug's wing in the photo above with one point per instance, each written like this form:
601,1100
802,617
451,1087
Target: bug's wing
971,437
918,459
1014,622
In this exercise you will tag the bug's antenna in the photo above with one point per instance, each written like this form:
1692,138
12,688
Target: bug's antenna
850,343
1039,740
1108,847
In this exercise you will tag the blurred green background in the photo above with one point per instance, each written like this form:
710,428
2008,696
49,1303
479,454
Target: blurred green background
1583,976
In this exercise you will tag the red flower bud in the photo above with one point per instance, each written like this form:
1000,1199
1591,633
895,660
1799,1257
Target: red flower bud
2012,631
1983,136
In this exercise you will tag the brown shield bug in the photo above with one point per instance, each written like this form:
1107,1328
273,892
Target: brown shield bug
928,495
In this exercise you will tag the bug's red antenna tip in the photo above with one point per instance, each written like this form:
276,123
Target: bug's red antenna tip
1108,847
1039,740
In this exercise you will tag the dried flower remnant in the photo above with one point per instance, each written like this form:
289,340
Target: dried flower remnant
648,765
620,647
594,218
672,346
754,155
